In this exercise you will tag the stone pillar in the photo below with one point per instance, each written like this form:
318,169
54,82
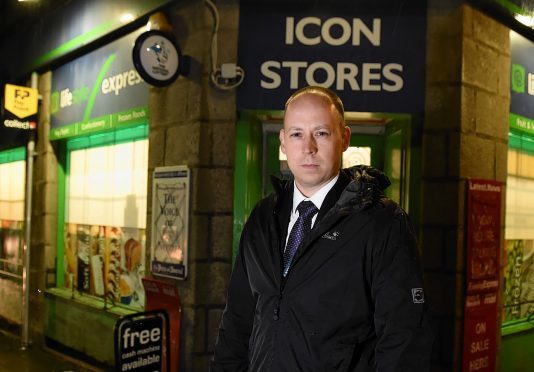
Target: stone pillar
44,214
192,123
465,135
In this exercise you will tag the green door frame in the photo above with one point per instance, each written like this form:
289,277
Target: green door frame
248,175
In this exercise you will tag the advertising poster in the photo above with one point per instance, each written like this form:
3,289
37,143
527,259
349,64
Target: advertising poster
483,253
518,298
11,238
106,261
170,221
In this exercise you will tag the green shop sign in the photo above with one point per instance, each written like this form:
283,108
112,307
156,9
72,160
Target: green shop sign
521,84
98,92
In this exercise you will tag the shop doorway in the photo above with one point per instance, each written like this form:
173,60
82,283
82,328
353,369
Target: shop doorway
383,141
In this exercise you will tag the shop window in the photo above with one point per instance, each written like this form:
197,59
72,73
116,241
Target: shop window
519,232
105,218
12,168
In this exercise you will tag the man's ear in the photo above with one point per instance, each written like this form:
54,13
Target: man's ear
281,136
346,138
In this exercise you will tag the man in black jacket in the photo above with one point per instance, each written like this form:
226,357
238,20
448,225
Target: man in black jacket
332,283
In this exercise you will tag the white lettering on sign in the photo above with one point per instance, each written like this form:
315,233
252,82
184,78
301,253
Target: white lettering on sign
479,363
374,76
145,336
480,328
311,31
120,81
65,98
481,345
530,84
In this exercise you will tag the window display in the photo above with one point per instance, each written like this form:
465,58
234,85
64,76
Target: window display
104,230
12,168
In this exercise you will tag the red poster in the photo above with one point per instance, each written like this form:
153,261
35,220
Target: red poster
483,253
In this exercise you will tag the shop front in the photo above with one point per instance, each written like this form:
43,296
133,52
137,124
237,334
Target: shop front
99,121
518,289
371,54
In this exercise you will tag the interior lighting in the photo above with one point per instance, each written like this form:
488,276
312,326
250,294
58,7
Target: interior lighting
126,17
525,19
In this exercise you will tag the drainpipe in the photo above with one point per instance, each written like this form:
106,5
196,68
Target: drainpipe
30,153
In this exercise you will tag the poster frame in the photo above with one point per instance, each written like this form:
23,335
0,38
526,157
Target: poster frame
170,215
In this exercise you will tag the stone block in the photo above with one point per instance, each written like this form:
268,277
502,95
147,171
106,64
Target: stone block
221,237
440,203
182,145
441,68
441,293
490,32
187,288
432,242
477,156
201,362
492,115
223,139
187,342
213,190
156,149
479,66
501,161
503,75
442,107
212,282
435,154
468,112
219,104
455,249
214,319
199,331
168,105
199,243
445,23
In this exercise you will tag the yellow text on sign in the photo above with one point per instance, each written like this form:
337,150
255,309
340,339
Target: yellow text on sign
20,101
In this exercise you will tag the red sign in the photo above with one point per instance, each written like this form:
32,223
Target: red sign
483,253
164,296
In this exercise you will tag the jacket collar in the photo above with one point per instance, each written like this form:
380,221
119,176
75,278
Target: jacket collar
358,188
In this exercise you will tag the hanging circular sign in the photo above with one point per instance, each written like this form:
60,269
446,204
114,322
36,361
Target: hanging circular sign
157,58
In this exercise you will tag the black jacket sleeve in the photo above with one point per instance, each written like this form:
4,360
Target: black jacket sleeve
401,319
231,347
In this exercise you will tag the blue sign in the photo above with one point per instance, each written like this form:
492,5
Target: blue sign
522,83
99,91
371,53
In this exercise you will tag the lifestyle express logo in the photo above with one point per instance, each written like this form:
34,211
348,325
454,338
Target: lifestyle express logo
81,99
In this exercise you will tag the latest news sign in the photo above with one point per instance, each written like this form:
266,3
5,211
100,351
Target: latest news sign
99,91
522,84
483,265
371,53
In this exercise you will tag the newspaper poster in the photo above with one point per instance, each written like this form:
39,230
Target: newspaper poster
170,222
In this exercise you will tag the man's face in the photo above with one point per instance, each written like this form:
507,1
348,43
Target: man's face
313,142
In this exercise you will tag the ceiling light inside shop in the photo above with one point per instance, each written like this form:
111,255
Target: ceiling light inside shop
126,17
526,20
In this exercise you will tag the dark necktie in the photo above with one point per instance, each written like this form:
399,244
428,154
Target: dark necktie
301,227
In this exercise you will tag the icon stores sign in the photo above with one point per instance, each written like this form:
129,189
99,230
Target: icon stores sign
370,53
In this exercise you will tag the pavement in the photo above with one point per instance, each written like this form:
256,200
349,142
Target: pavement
35,358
